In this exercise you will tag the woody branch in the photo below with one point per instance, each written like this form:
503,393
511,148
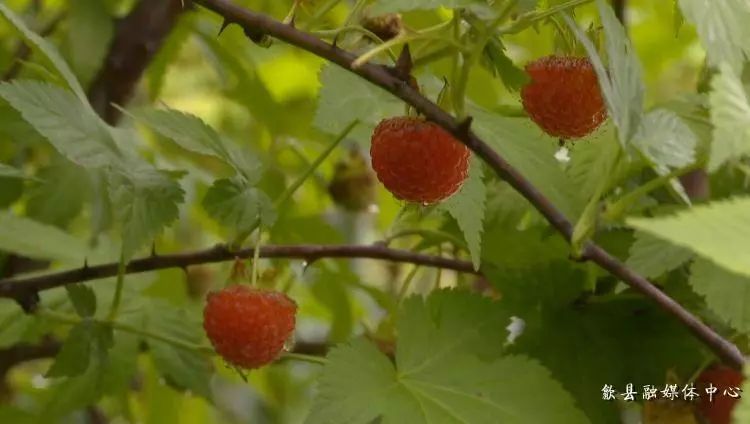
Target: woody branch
392,81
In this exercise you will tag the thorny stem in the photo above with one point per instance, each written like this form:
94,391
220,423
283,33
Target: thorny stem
17,288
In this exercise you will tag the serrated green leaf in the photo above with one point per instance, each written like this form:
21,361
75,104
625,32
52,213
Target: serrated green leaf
145,201
76,352
730,115
390,6
586,345
722,28
236,205
531,153
22,236
69,125
191,133
83,299
727,294
665,140
49,51
185,368
467,208
717,231
90,29
439,376
653,257
345,97
621,82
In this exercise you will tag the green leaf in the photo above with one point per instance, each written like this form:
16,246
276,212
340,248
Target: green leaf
30,238
389,6
345,97
236,205
665,140
586,225
717,231
188,369
467,207
16,415
653,257
592,163
90,30
730,115
83,299
76,352
191,133
439,375
586,345
7,171
331,289
145,201
622,82
727,294
532,154
72,127
495,59
722,28
49,51
110,374
61,195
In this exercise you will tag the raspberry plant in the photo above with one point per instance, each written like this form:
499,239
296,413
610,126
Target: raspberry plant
179,196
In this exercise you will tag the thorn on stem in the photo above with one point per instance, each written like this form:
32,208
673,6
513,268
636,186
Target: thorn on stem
28,301
404,65
578,258
464,127
224,25
153,250
257,36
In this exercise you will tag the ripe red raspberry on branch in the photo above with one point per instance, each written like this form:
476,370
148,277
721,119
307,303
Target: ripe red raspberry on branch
723,381
247,326
417,160
563,96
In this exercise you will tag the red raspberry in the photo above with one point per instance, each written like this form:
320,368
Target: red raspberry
247,326
417,160
563,96
718,411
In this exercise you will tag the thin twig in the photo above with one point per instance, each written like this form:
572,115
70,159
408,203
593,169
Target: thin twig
382,77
